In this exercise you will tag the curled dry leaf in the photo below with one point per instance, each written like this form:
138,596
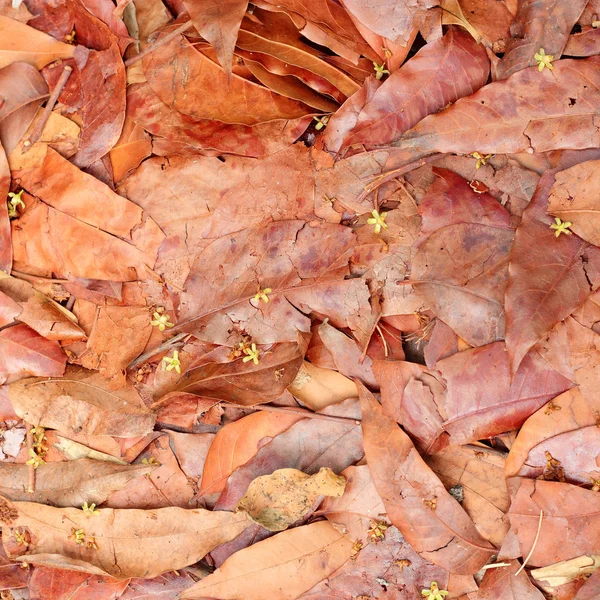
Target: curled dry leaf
428,517
538,24
282,498
68,483
130,543
236,443
279,568
23,352
22,43
528,110
573,198
570,525
549,276
81,403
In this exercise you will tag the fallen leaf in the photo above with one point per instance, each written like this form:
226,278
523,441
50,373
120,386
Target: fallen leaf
282,567
5,235
22,43
506,584
23,352
566,571
164,587
236,443
562,263
81,403
546,24
68,483
282,498
543,121
128,542
441,532
131,149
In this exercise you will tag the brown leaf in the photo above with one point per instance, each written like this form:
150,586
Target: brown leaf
282,498
538,24
236,443
528,110
24,352
80,403
131,149
441,532
5,237
439,74
68,483
281,567
586,43
549,277
22,43
307,446
506,584
570,525
240,102
130,544
476,473
572,198
218,23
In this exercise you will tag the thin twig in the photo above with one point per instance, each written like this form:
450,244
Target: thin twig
160,42
39,126
305,413
393,174
537,535
495,566
385,346
31,467
175,341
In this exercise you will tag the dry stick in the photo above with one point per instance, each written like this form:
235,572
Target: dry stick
31,467
175,341
39,126
160,42
305,413
385,177
537,535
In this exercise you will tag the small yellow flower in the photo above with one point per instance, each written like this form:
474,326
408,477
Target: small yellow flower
595,484
252,354
150,461
380,70
77,535
90,510
161,321
21,537
358,546
91,544
262,295
321,122
378,220
36,460
13,204
376,531
172,363
481,160
544,60
434,592
561,227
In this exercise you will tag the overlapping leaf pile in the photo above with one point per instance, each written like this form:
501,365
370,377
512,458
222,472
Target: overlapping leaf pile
300,299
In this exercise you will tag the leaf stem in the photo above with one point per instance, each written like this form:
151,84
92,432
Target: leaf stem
158,43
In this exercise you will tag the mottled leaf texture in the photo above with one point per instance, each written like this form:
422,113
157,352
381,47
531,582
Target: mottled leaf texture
218,23
439,531
279,568
81,403
543,111
574,197
69,483
439,74
549,276
130,543
538,24
571,521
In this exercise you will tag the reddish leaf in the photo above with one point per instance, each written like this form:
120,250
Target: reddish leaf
506,584
218,23
5,238
538,24
164,587
443,342
442,534
586,43
12,574
571,522
307,446
439,74
528,110
24,352
549,277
